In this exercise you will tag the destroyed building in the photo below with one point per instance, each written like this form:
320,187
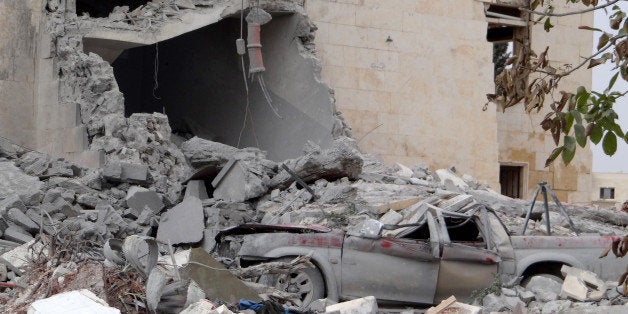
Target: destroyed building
408,77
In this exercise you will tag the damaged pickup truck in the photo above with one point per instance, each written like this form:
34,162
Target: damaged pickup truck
444,254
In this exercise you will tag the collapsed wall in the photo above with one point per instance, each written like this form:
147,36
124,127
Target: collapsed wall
184,64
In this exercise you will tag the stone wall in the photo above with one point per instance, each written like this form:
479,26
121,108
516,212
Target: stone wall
411,78
521,139
619,181
19,25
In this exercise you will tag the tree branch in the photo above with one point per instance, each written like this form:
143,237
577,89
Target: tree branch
569,13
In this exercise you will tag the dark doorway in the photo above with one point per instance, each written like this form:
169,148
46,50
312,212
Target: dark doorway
511,181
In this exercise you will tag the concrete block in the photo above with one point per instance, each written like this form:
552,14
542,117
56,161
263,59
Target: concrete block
139,198
574,288
587,276
88,158
391,218
366,305
17,234
75,139
196,188
456,203
447,177
183,223
19,218
200,307
72,302
13,201
126,172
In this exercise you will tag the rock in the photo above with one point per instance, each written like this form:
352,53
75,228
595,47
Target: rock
72,302
185,4
34,163
88,200
318,306
19,256
585,278
341,160
403,171
237,183
126,172
493,303
574,288
450,180
201,152
391,218
139,198
557,306
546,289
526,296
200,307
183,223
19,218
12,202
366,305
17,234
31,197
337,194
456,203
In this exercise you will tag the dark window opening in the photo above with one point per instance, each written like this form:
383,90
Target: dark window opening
419,233
100,8
607,193
464,230
511,181
503,22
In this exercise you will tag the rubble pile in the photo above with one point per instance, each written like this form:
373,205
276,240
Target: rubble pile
136,234
50,198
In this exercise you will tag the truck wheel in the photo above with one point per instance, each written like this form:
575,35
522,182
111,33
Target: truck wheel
308,284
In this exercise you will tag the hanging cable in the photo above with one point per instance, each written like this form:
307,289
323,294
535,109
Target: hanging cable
156,72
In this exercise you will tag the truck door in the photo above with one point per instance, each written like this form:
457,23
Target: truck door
394,269
466,264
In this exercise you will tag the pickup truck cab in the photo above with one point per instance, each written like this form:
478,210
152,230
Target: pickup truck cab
444,254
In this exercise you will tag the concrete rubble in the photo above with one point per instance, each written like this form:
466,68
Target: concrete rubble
169,194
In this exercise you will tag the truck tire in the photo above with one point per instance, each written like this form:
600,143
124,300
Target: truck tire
307,283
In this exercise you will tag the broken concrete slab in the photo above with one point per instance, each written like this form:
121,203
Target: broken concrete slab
573,287
18,257
450,180
450,305
126,172
139,198
17,217
200,307
230,290
183,223
196,188
17,234
201,152
546,289
72,302
13,201
236,183
456,203
587,278
342,159
391,218
366,305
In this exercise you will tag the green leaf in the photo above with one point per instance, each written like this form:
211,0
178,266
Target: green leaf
568,122
580,133
570,143
589,28
596,134
577,116
553,155
626,137
548,25
612,82
609,145
568,156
